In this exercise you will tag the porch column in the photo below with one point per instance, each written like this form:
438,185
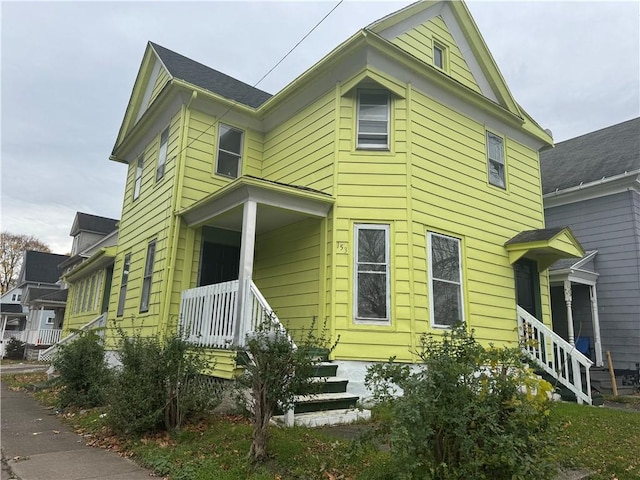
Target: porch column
567,300
245,273
597,341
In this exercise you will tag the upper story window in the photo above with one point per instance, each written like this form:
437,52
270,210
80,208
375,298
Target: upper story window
148,274
162,153
373,120
229,151
138,181
445,280
495,160
123,284
439,55
371,290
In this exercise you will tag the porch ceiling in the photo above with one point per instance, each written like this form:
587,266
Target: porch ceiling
277,205
546,246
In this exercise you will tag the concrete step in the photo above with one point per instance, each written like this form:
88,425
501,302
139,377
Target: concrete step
326,369
332,384
328,417
324,401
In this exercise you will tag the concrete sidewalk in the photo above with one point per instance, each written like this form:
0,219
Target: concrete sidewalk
37,446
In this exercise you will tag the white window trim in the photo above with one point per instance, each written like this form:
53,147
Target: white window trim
163,151
491,160
431,278
50,320
444,50
365,320
124,281
239,155
366,146
147,276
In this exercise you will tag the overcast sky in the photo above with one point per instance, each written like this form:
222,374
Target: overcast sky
68,69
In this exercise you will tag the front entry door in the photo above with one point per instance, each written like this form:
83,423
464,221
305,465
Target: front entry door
219,263
528,286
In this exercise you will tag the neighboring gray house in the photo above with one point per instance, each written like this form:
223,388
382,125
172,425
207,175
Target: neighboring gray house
592,184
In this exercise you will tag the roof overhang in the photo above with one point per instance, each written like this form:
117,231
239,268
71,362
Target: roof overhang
99,260
545,246
599,188
575,273
278,205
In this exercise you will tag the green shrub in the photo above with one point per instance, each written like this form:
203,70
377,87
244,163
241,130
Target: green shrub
14,349
276,372
84,373
466,412
159,385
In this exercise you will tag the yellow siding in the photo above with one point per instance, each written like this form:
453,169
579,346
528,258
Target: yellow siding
160,82
145,219
451,195
78,312
287,272
371,188
434,178
201,144
301,150
419,43
223,363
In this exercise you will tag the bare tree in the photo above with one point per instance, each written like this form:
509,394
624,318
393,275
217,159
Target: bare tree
12,248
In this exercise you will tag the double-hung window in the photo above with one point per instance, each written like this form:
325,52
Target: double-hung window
371,290
137,184
148,274
162,153
495,160
439,56
373,120
445,285
123,284
229,151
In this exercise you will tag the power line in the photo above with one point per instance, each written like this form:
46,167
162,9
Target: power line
236,102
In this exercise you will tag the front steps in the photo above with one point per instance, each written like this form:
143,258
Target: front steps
333,405
601,381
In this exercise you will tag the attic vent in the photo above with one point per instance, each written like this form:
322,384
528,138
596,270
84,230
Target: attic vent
549,132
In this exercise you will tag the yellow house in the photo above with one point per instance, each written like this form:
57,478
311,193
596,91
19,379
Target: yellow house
392,189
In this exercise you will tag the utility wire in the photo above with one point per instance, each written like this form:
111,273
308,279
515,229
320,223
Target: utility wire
236,102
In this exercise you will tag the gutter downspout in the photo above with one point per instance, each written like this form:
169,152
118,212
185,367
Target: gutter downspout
174,230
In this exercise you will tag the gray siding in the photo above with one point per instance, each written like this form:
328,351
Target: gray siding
611,225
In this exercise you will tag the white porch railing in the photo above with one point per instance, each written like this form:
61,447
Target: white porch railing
48,354
208,315
555,355
43,337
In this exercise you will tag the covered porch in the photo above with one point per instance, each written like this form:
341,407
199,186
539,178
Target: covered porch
574,304
232,224
531,252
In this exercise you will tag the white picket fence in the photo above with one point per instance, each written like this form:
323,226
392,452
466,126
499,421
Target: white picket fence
555,355
209,318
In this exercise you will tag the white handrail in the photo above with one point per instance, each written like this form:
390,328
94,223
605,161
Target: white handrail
555,355
208,315
48,354
260,310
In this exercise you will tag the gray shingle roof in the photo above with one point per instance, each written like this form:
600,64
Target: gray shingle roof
535,235
40,267
11,308
611,151
93,223
198,74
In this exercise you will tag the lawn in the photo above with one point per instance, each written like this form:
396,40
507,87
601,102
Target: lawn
603,440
